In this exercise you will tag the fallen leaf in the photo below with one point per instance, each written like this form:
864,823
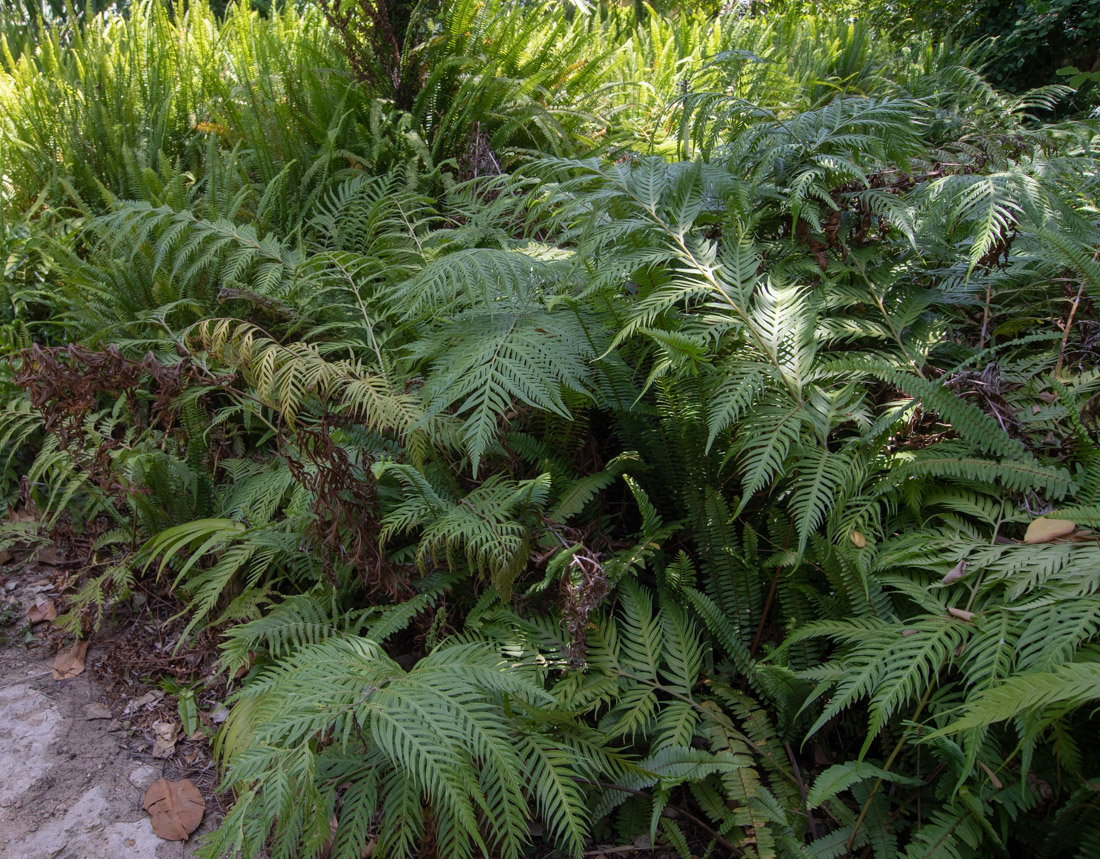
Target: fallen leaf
146,699
70,661
905,633
6,556
858,539
961,614
50,556
1036,409
42,610
1044,530
21,516
956,573
165,743
95,710
1047,397
176,808
219,715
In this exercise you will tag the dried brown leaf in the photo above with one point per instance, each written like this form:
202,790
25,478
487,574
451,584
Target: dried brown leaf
960,613
1044,530
50,556
165,742
42,610
96,710
996,782
146,699
176,808
955,573
70,662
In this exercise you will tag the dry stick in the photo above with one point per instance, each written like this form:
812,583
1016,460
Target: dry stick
886,768
1069,328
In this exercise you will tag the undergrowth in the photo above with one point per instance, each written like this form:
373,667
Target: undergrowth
663,430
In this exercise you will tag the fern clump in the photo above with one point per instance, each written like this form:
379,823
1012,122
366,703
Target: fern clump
463,745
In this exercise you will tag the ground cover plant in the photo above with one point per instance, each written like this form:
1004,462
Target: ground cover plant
577,426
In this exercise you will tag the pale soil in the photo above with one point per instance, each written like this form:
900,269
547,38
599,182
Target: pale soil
71,787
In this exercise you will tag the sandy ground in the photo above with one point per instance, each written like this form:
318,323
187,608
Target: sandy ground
72,778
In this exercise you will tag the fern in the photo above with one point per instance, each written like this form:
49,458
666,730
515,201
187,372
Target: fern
441,729
1072,685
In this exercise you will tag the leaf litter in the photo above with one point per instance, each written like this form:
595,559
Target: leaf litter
176,808
86,778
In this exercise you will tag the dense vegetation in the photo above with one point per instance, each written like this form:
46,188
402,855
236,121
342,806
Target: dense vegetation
582,425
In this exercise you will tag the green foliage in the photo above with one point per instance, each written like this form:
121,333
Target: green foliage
478,747
614,427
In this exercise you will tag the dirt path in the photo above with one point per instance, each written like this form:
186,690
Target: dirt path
72,776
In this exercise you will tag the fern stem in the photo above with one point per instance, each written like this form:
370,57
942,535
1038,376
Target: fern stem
674,811
801,789
886,768
888,318
771,596
707,273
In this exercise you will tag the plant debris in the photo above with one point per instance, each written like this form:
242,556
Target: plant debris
176,808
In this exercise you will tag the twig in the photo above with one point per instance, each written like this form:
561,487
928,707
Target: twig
29,679
1069,328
